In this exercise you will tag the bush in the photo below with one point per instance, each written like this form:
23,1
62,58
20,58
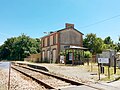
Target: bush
87,54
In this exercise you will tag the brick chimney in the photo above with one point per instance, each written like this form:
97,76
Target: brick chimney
68,25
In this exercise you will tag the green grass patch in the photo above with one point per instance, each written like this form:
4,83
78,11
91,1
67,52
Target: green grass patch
94,68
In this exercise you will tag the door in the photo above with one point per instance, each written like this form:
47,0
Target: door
54,56
48,55
43,55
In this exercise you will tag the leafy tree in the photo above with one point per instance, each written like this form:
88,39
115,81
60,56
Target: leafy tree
118,45
109,43
98,45
17,48
87,54
108,40
89,41
118,49
94,44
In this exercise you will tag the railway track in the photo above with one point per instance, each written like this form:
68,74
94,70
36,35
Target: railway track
48,80
32,77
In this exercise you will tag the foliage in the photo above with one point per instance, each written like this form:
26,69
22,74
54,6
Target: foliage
108,40
118,47
87,54
93,43
17,48
62,52
96,44
109,43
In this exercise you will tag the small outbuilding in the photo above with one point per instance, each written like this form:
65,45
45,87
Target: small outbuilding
74,55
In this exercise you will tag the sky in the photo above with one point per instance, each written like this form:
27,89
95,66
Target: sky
33,17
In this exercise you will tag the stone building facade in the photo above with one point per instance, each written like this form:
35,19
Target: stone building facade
57,41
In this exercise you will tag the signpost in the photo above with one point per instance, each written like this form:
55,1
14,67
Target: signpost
102,61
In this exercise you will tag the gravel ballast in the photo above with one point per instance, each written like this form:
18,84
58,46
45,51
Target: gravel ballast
18,81
3,79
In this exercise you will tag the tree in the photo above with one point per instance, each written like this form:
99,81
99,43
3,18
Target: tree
87,54
108,40
94,43
99,45
17,48
109,43
118,45
89,41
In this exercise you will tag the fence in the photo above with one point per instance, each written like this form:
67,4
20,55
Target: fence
33,58
89,60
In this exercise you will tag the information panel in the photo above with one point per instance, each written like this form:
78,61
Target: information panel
103,60
70,56
61,59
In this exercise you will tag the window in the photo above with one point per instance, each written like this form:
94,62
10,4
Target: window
48,41
43,44
54,39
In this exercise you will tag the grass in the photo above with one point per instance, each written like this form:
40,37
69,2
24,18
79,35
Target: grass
112,75
94,68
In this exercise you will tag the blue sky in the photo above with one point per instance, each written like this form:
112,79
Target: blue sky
33,17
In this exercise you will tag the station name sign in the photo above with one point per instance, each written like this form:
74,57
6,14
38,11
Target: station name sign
103,60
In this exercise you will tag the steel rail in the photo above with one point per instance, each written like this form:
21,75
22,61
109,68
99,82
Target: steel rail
58,77
35,79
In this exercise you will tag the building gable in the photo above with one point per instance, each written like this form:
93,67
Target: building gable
71,36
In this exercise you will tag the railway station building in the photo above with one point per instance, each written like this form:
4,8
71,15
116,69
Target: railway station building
67,40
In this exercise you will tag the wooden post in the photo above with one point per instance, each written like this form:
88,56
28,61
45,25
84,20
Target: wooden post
91,65
109,72
99,71
72,57
9,76
65,57
114,65
109,69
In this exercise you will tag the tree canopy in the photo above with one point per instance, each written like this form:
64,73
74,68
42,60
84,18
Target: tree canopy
108,40
17,48
96,44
